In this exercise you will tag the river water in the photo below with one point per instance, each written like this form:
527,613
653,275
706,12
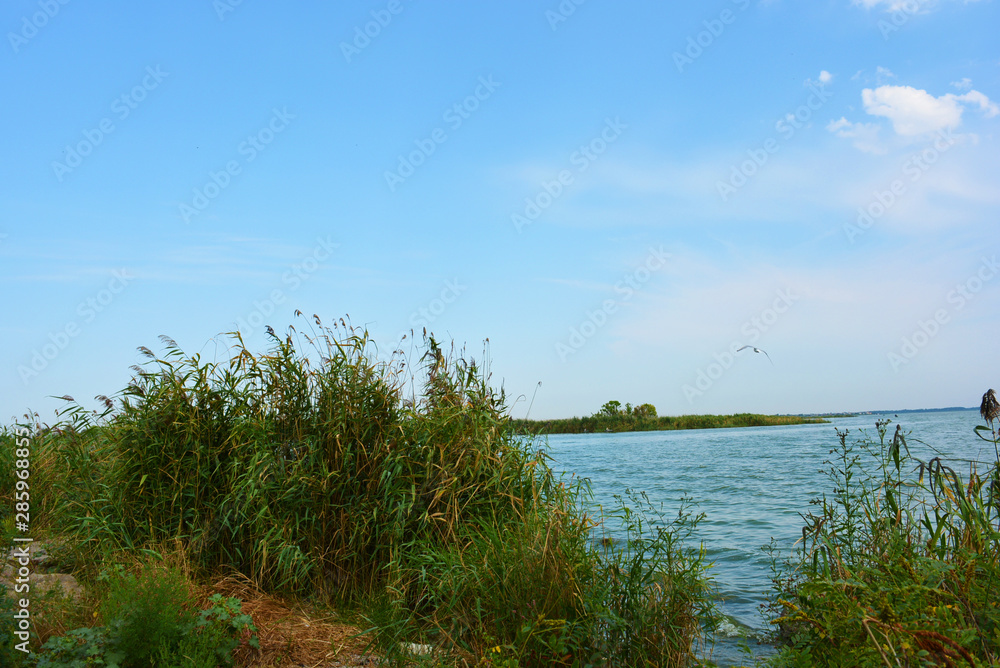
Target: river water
751,484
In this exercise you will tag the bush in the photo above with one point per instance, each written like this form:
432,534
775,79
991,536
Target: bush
149,619
147,611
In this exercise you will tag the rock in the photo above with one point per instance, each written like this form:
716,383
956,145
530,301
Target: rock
41,583
39,558
38,553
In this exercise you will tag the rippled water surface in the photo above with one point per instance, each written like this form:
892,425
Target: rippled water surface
751,483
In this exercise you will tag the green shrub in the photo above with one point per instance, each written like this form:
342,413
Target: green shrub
210,640
150,620
151,609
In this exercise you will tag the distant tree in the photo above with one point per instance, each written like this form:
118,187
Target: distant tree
611,409
645,410
628,409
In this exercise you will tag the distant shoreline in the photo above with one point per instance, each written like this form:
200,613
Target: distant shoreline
625,423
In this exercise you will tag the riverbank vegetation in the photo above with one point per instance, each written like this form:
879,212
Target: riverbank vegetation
613,417
299,506
900,566
305,476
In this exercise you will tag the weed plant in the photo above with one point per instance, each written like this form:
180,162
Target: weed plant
900,567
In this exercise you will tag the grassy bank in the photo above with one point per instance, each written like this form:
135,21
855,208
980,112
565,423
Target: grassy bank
900,566
304,472
617,423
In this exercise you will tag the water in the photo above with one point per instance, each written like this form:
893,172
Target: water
751,483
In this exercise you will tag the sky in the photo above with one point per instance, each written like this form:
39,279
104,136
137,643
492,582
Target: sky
608,199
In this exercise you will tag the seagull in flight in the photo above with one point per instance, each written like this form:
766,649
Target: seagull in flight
757,350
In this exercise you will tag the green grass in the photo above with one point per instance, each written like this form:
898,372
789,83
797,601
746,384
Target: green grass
304,469
899,567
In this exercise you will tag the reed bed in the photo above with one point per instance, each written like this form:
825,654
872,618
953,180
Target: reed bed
307,473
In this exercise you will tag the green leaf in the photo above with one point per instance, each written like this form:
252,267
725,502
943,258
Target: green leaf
981,428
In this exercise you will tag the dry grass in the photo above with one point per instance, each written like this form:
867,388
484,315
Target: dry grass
290,632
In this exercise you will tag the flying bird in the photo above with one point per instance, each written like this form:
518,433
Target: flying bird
757,350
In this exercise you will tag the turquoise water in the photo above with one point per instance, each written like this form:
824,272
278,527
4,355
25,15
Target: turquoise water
751,483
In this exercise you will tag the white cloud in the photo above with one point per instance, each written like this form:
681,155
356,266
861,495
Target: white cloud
909,6
964,84
864,135
915,112
823,79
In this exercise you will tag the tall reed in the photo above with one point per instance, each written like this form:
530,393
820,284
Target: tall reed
901,567
304,469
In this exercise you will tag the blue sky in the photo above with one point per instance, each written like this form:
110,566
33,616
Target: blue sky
616,195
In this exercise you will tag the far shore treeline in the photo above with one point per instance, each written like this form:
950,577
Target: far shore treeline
614,418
